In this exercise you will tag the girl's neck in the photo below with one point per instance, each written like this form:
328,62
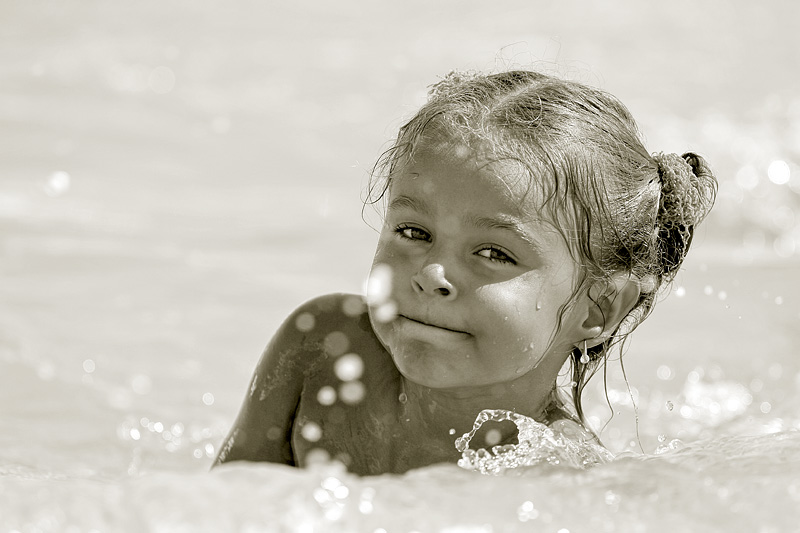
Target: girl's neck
445,414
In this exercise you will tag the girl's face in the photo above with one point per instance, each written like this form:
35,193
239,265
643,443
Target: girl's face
477,278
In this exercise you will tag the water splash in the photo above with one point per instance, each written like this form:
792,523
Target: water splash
563,443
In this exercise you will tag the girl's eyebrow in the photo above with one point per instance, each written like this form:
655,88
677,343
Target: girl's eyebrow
409,203
506,223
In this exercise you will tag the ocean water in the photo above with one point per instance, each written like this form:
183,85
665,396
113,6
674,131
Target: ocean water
174,180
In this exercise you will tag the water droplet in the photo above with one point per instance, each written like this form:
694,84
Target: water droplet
353,306
317,456
352,392
680,292
365,507
538,306
386,312
403,397
336,343
664,373
779,172
326,395
452,431
527,511
253,384
208,398
493,437
305,322
349,367
708,290
88,366
275,433
311,431
379,284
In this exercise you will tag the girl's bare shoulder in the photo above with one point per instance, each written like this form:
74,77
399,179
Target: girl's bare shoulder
334,320
338,325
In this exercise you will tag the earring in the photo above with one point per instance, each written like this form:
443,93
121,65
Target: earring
584,354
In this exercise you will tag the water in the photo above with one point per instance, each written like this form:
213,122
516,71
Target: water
173,181
563,443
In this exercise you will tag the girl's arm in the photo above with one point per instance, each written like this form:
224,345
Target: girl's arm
263,429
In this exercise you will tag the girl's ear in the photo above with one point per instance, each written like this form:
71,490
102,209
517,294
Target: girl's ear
609,302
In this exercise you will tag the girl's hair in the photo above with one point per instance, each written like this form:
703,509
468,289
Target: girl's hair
620,209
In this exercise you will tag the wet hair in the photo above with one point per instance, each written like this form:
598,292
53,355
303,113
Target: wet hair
619,208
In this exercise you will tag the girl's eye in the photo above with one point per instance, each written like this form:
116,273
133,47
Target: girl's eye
492,253
412,233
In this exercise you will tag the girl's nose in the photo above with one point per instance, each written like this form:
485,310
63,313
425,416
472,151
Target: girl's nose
431,279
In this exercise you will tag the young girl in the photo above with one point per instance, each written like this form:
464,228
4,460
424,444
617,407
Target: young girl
525,227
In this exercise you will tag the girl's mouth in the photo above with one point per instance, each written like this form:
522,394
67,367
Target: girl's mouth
432,325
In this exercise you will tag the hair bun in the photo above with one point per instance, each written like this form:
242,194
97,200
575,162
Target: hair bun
688,189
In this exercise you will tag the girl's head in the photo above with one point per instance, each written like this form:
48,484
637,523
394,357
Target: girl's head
570,159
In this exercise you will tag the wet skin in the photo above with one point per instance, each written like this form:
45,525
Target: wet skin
378,434
370,435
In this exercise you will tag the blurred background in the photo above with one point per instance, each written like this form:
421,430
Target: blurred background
176,177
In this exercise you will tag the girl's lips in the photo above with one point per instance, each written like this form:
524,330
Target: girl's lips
427,323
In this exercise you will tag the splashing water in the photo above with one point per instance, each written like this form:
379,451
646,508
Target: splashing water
561,444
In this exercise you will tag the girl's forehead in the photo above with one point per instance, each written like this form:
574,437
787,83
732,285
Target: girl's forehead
469,169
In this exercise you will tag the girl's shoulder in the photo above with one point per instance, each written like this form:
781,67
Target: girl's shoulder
334,305
331,319
334,325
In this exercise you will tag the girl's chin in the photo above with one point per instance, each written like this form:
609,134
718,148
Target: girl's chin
440,377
